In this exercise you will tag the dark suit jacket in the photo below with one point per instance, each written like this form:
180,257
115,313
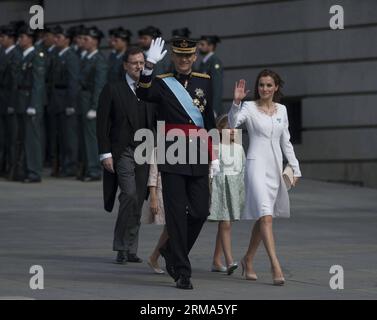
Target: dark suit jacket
120,114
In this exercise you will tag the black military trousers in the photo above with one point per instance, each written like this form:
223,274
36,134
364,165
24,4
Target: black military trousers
186,203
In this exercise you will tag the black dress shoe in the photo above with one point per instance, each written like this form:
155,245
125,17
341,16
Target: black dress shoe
184,283
169,264
132,257
121,258
32,180
91,179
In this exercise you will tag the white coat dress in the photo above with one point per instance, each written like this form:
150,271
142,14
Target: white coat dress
265,190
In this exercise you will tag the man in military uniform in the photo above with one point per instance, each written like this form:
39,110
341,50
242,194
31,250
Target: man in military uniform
9,69
63,102
213,66
50,145
77,43
184,102
177,33
146,36
31,93
120,39
93,78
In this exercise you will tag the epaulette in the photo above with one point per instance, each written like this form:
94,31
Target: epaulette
165,75
200,75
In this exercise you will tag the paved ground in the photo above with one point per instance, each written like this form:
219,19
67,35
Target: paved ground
61,226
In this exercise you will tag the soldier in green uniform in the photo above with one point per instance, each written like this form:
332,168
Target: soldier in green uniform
120,39
10,61
93,78
78,39
63,102
212,65
50,144
31,93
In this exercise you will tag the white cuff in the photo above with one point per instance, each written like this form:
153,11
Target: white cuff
237,105
147,72
105,156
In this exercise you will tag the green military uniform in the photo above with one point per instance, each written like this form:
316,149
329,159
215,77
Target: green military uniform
214,67
93,78
49,124
31,93
9,69
63,108
116,71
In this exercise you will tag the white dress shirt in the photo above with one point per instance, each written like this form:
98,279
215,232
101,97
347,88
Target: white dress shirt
208,55
7,51
27,52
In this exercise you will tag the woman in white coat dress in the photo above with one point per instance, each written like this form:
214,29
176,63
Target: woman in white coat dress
266,193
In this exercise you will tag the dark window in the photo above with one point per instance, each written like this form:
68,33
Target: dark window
294,108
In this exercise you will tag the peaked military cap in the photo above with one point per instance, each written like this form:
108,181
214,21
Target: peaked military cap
68,33
94,32
8,30
28,31
122,33
150,31
211,39
183,45
181,33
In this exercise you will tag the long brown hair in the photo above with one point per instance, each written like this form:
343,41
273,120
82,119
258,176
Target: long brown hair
278,82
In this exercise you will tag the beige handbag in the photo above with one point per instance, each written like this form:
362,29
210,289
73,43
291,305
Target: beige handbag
288,176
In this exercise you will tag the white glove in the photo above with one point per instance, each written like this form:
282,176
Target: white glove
11,110
92,114
70,111
31,111
156,53
215,168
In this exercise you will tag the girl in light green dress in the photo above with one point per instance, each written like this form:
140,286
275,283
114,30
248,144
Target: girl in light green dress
228,195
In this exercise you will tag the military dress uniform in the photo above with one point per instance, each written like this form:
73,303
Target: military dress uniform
115,61
212,65
50,139
64,106
93,77
9,70
185,186
31,94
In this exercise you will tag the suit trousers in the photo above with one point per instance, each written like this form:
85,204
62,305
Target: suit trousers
186,202
132,180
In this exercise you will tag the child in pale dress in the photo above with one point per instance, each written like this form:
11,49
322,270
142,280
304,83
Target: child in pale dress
227,195
153,213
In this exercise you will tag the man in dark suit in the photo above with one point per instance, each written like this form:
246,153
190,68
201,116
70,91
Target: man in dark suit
184,102
120,115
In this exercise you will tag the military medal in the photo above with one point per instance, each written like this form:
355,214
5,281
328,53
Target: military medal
199,93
